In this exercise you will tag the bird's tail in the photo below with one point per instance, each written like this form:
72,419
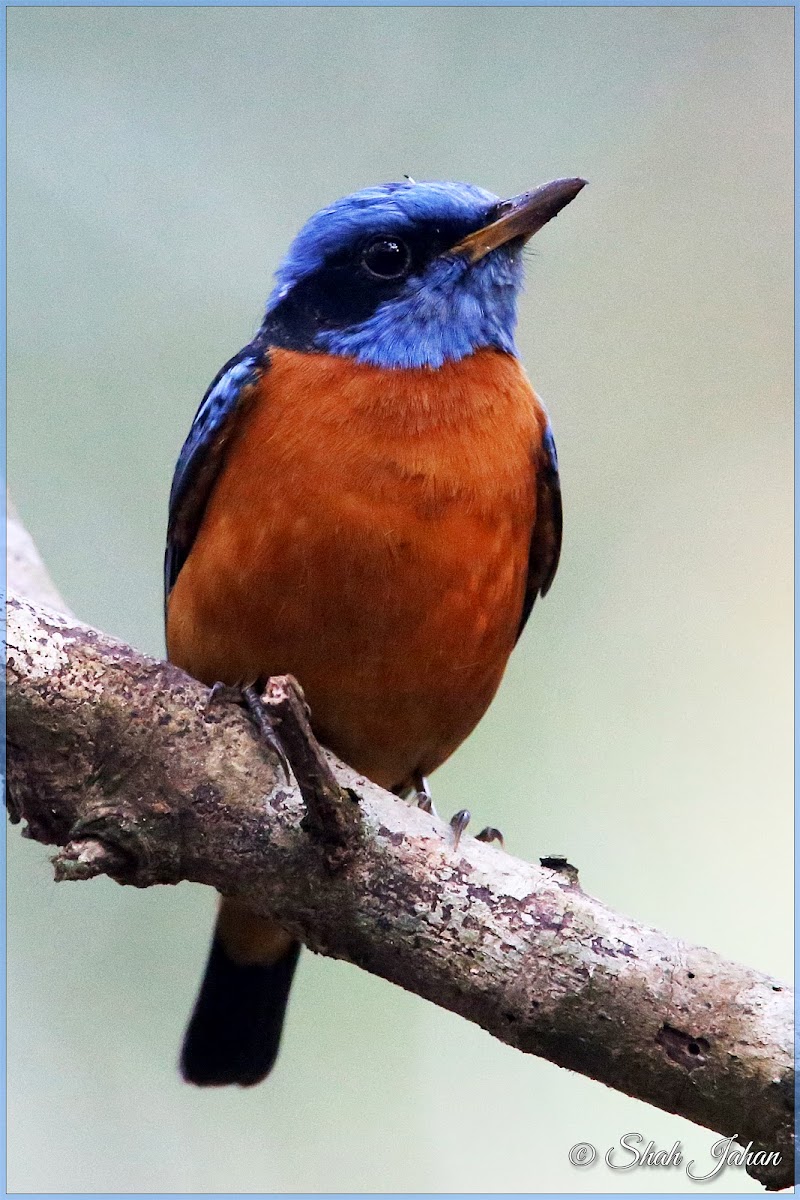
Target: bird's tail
235,1030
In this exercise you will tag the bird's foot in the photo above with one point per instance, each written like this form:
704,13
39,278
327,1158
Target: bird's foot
249,698
458,822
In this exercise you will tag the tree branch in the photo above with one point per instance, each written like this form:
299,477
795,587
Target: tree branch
120,760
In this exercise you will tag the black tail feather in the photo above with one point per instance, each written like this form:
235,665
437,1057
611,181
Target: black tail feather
235,1030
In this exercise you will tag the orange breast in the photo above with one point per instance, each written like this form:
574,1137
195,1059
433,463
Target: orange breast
369,533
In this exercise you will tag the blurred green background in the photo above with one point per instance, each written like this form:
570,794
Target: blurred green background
159,161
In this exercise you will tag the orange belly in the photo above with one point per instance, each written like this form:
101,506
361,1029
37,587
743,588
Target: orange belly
369,534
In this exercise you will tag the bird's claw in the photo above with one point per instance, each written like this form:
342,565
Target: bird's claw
490,834
458,823
222,693
266,730
249,698
422,794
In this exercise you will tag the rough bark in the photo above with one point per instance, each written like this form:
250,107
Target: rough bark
120,760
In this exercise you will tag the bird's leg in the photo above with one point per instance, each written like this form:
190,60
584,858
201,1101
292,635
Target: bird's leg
249,697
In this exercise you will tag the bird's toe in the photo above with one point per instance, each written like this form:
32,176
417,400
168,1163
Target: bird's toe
458,823
490,834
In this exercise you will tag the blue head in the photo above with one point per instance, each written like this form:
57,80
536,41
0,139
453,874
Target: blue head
409,274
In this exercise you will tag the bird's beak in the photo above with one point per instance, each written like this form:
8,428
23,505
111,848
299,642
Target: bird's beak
519,218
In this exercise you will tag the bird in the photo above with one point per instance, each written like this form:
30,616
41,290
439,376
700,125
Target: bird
369,500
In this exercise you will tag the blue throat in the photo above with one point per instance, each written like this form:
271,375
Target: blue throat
446,315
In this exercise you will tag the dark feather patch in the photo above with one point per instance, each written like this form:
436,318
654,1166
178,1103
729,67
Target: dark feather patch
204,451
546,535
235,1030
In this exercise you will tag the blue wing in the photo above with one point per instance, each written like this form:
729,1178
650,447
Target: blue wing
546,534
204,451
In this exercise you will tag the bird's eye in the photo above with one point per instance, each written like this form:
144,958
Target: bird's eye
386,258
